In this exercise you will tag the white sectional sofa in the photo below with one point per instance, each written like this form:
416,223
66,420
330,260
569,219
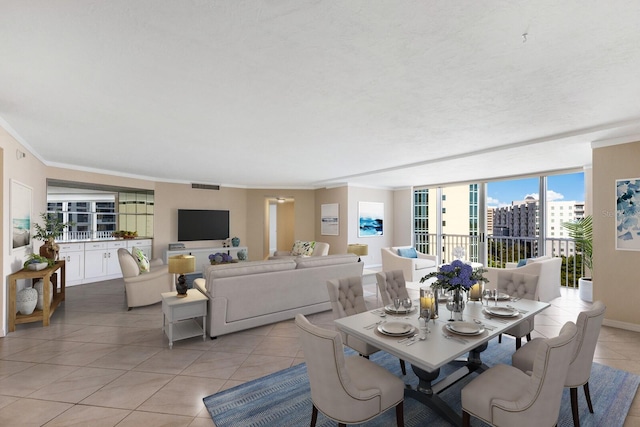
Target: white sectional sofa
255,293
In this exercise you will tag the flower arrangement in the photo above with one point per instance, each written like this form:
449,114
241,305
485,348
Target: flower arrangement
456,276
220,258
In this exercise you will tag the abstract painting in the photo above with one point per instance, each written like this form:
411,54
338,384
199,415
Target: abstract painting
20,215
370,219
628,214
330,219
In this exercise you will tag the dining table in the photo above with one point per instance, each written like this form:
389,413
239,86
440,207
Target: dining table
398,332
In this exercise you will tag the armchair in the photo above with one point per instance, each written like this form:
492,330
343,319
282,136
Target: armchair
144,288
546,268
412,268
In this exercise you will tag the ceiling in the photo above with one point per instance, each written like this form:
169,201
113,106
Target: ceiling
315,93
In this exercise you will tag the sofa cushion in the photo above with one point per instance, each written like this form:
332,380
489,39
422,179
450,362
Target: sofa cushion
422,263
408,252
538,259
325,260
247,268
141,259
522,262
302,248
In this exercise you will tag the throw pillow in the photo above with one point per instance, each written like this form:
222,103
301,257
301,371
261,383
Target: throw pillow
141,259
302,248
408,252
522,262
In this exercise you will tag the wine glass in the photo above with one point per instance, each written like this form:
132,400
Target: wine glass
486,296
396,303
423,321
406,303
450,306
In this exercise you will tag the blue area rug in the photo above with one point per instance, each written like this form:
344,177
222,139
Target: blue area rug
283,398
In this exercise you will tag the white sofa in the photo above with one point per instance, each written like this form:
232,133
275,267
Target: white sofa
255,293
547,269
412,268
320,249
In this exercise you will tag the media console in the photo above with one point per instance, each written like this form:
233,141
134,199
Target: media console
202,254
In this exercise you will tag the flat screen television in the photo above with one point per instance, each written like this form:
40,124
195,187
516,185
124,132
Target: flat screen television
199,224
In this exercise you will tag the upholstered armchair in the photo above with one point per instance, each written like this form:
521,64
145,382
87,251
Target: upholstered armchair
588,323
506,396
545,267
319,249
347,298
348,390
519,285
414,268
391,284
144,288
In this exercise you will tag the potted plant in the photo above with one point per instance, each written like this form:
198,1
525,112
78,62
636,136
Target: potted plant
53,227
581,231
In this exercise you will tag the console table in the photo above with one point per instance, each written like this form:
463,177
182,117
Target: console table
202,254
38,315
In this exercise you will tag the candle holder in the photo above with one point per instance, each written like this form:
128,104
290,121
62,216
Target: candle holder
428,301
475,293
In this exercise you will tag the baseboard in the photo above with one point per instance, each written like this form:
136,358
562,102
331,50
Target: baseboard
621,325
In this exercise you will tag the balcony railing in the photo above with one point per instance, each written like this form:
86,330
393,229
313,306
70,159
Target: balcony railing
501,250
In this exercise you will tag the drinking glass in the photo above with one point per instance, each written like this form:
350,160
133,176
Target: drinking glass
406,303
486,296
396,303
423,321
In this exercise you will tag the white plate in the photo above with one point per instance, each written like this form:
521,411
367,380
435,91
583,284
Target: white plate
465,328
501,297
502,311
396,329
401,310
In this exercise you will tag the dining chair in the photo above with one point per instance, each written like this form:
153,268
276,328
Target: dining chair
589,323
506,396
348,390
391,284
347,298
519,285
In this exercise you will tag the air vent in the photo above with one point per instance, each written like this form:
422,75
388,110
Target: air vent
205,186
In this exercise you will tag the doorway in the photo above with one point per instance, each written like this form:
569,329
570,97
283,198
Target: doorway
280,224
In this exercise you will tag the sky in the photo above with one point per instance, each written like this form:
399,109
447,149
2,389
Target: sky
568,187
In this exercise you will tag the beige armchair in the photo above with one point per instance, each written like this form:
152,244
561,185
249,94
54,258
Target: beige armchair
347,298
546,267
588,323
320,249
348,390
144,288
506,396
413,268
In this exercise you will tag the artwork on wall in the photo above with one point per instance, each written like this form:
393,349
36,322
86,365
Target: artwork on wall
20,215
330,219
370,219
628,214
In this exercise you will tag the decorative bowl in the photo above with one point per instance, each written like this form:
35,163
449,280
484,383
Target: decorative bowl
37,266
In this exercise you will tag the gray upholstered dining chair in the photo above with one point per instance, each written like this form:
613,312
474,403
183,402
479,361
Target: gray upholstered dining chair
519,285
588,323
391,284
347,298
348,390
506,396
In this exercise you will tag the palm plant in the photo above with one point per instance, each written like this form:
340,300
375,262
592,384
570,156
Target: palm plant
581,231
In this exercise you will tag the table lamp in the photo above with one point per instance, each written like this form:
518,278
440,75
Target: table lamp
181,265
358,249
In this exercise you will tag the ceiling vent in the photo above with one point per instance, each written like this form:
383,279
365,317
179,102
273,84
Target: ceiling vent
205,186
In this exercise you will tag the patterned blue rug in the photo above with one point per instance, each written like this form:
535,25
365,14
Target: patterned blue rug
283,398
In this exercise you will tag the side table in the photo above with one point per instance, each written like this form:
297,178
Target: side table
179,315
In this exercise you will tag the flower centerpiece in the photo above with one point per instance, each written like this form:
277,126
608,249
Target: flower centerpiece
456,277
220,258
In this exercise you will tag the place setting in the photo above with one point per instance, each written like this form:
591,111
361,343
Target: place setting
396,329
400,306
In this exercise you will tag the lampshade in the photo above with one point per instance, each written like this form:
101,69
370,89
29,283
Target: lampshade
182,264
358,249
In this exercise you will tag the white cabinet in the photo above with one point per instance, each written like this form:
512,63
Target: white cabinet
101,260
143,244
73,255
202,254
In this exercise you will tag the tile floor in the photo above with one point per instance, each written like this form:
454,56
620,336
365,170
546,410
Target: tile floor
101,365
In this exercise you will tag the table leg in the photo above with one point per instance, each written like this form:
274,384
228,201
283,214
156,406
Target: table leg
170,335
204,327
427,393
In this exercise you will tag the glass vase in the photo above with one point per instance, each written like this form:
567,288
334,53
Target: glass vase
456,304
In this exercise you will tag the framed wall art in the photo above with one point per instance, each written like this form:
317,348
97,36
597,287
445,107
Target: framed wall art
628,214
20,215
330,219
370,219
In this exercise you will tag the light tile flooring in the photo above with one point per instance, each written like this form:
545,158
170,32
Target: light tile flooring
101,365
